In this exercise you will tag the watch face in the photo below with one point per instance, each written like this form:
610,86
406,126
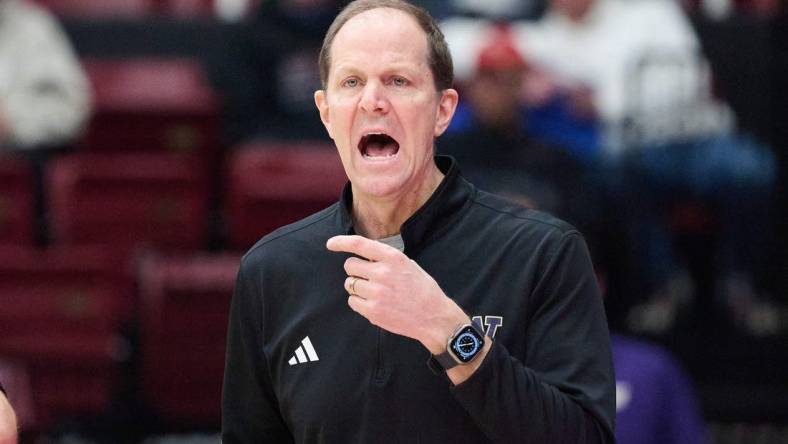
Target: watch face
466,344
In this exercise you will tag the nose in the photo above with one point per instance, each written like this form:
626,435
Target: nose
373,98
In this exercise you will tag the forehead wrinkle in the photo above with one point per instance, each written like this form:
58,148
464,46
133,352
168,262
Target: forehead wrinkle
367,38
379,68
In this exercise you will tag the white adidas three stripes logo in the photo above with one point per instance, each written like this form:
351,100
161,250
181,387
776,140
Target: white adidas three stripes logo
300,357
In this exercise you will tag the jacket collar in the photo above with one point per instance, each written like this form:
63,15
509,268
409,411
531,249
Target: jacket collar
432,218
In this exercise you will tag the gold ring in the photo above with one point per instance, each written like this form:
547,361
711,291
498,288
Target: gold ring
352,285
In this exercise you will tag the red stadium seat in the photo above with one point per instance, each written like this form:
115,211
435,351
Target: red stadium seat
98,8
273,184
128,200
152,104
16,201
189,8
62,312
184,306
207,8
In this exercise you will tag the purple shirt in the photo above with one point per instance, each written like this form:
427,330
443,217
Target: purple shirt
655,402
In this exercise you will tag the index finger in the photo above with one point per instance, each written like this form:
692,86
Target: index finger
367,248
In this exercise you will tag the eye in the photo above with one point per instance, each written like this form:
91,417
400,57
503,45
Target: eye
350,83
399,81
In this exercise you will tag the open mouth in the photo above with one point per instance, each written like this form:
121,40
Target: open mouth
378,146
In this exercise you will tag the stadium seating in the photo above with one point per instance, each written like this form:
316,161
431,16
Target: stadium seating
16,201
142,9
271,184
151,104
99,8
189,8
62,312
128,201
183,317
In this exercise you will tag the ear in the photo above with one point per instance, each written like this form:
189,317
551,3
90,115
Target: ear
446,108
322,107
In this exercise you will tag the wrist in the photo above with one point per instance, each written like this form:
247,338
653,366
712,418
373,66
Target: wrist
440,328
465,349
461,373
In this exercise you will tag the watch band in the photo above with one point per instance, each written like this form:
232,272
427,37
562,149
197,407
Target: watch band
435,366
446,360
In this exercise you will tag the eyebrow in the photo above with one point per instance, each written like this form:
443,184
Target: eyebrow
349,69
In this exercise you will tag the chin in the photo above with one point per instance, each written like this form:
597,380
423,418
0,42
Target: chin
376,186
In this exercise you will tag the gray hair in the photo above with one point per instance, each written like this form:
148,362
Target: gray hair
439,58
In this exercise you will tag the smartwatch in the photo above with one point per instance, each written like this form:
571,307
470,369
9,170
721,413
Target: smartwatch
463,346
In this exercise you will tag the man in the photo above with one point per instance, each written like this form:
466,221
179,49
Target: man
303,367
8,433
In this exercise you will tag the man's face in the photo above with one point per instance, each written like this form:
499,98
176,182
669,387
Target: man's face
380,105
573,9
496,96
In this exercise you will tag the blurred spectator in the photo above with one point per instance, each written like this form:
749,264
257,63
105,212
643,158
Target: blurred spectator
503,10
636,63
44,96
499,9
655,400
489,137
556,116
267,72
762,8
722,9
666,138
564,117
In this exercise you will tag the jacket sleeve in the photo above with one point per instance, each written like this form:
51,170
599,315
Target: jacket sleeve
250,411
563,391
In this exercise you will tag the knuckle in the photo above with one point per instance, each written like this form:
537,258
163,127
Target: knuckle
349,263
379,271
395,255
403,259
376,291
374,309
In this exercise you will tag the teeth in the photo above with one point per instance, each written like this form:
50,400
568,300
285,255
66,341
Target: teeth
387,156
367,135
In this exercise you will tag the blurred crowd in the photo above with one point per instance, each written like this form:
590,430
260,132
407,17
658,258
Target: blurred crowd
607,113
624,89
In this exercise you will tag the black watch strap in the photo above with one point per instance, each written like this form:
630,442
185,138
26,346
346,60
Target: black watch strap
435,366
440,363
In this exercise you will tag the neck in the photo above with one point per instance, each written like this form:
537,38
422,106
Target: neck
378,217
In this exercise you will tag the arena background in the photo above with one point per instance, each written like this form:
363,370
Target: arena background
119,257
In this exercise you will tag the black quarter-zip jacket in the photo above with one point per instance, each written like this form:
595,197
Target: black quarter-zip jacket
303,367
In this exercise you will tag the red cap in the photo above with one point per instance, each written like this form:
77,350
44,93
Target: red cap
499,52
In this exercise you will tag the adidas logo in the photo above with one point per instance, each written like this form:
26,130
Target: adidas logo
300,356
